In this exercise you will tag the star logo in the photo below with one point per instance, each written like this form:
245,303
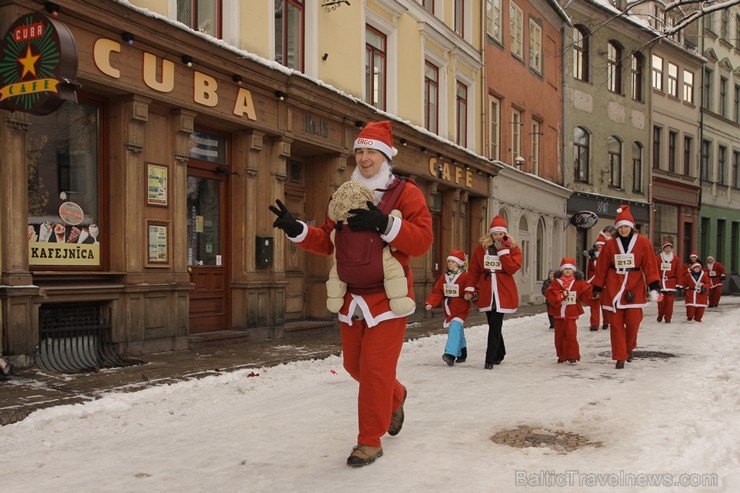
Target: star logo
29,62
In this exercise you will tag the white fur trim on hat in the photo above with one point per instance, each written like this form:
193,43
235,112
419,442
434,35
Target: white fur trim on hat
567,266
455,259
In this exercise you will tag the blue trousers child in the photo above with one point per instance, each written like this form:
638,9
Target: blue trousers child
456,339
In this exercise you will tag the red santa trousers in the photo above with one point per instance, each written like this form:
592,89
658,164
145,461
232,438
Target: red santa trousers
714,295
624,326
370,357
695,313
597,312
665,306
566,339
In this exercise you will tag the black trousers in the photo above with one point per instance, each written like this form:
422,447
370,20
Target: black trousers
496,349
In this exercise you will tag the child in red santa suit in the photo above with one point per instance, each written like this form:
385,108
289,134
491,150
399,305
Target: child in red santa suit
597,312
627,264
669,268
491,271
717,274
696,285
565,295
449,291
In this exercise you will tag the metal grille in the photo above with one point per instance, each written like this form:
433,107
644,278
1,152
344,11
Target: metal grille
75,337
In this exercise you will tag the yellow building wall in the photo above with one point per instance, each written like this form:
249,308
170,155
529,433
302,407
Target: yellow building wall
340,36
410,71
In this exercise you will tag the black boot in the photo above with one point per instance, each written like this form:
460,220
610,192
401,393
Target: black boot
463,356
449,359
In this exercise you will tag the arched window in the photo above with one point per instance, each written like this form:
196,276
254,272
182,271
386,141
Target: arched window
542,267
614,148
614,67
581,152
580,53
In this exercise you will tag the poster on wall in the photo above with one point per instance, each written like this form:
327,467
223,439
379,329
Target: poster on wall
157,185
68,239
157,243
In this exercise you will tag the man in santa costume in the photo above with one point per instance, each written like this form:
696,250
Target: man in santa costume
491,271
669,267
627,263
693,258
595,305
696,284
371,333
717,274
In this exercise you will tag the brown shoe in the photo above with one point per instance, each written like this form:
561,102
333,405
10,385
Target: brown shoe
397,417
619,365
630,357
363,455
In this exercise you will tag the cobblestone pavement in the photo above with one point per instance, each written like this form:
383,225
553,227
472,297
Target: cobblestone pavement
25,391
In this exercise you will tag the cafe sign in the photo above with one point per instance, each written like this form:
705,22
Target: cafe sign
38,65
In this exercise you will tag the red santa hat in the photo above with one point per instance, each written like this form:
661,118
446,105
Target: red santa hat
666,244
710,259
695,264
377,135
694,253
457,256
600,240
567,263
624,217
498,225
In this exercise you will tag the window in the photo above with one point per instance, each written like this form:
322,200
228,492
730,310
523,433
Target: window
535,46
428,4
724,24
542,266
657,142
722,165
535,157
460,17
723,96
289,24
636,167
735,169
688,144
637,76
688,87
580,53
516,134
657,73
737,103
706,149
461,103
375,58
431,97
658,14
720,240
493,19
63,159
581,151
494,132
201,15
672,138
614,67
516,21
614,148
706,95
672,80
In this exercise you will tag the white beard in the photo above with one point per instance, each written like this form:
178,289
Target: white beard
380,181
667,257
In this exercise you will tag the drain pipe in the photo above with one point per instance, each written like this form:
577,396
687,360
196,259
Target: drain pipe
5,367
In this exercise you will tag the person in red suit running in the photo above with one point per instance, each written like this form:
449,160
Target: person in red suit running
696,284
449,291
693,258
597,312
627,263
565,295
669,268
491,271
717,274
371,333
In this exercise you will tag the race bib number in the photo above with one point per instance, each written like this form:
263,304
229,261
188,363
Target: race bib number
624,261
570,299
492,263
451,290
665,266
712,274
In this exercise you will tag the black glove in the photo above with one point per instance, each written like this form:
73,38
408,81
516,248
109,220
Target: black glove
285,220
654,286
370,219
703,290
596,292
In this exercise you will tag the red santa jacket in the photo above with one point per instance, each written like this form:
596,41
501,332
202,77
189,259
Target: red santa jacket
693,287
716,273
450,290
591,268
495,285
567,306
411,236
669,270
626,287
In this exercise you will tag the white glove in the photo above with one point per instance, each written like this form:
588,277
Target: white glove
654,296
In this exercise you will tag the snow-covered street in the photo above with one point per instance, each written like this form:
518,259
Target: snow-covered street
664,420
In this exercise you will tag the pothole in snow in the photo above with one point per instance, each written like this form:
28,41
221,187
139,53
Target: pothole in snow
530,436
643,354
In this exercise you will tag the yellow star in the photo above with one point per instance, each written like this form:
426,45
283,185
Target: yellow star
29,62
